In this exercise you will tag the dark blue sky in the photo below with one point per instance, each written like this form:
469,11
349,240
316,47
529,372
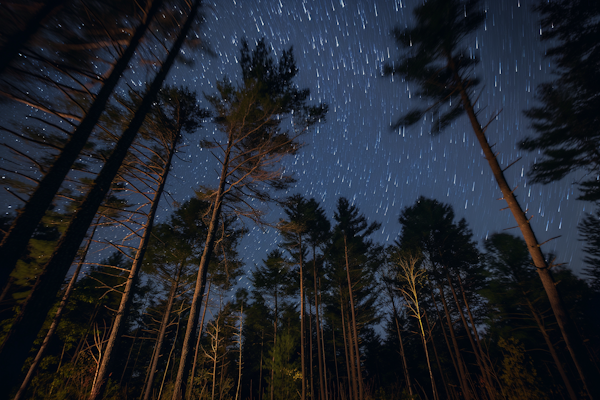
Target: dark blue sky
340,46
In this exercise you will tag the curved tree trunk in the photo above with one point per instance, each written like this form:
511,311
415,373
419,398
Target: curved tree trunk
16,239
161,334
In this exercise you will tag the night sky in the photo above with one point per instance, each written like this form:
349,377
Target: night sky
340,47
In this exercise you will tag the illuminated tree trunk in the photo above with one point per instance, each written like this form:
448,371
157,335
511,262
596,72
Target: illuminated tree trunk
161,333
354,327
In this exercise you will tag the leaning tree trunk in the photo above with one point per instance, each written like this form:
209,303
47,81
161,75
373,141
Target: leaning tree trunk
17,40
417,315
484,358
318,329
354,326
31,318
478,357
435,353
352,390
161,334
115,333
302,333
402,355
587,371
459,373
16,239
186,350
197,348
57,317
463,372
551,348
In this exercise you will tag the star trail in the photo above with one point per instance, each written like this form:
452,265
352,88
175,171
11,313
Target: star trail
340,48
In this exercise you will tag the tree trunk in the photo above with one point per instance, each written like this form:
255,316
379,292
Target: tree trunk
16,239
402,355
17,40
239,383
417,314
184,367
310,348
31,318
463,373
484,357
480,364
354,326
318,329
352,389
197,348
337,375
551,348
57,317
161,334
587,372
466,393
435,353
302,333
115,334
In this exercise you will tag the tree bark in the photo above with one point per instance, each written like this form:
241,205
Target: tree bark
302,333
318,329
435,353
587,372
15,241
480,364
487,365
184,367
466,393
552,350
197,348
310,349
352,390
161,334
354,323
115,334
463,373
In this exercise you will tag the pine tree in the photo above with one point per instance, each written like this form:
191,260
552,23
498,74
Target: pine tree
566,116
435,60
251,117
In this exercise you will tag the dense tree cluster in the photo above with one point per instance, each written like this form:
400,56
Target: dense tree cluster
329,314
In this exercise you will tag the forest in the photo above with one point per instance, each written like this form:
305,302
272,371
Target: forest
330,314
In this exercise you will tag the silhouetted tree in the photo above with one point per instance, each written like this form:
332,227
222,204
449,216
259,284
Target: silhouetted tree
566,118
251,117
435,60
